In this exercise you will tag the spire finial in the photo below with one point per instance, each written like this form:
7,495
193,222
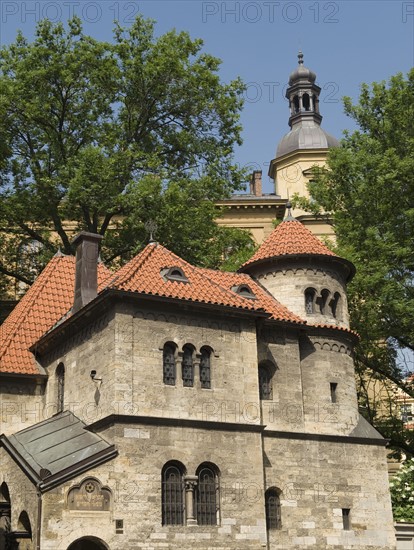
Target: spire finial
289,216
151,227
300,57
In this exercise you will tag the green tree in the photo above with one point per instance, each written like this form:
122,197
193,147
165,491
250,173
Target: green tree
105,136
402,492
367,190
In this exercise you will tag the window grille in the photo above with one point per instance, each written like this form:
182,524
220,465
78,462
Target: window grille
205,369
207,489
169,365
310,301
188,367
60,375
265,383
172,496
273,510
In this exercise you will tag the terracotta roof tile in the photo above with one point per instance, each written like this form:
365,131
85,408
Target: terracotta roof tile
266,301
143,274
51,295
289,238
46,301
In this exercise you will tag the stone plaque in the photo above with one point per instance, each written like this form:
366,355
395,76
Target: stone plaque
89,495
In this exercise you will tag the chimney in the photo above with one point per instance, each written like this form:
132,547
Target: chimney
256,183
86,277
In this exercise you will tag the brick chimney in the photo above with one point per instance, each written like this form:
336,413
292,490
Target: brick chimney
86,277
256,183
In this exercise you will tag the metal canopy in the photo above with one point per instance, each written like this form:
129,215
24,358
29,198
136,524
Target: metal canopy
57,449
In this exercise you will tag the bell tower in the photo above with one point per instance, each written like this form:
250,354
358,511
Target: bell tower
303,96
306,144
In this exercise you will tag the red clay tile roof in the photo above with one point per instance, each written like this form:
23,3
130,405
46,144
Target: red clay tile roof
143,274
46,301
289,238
269,304
51,295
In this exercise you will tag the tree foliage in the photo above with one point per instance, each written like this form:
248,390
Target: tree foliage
402,493
367,190
105,136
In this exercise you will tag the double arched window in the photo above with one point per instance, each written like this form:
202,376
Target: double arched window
190,499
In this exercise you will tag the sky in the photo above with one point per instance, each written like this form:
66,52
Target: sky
345,42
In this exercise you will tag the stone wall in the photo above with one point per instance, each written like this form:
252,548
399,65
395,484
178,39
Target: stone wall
318,479
306,364
21,404
127,354
23,497
135,483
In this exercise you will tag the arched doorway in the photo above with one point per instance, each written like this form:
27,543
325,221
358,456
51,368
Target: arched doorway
88,543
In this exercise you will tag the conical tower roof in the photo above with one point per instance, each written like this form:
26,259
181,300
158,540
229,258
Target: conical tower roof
292,239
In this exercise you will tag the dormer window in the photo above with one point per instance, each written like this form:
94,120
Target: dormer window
175,274
244,290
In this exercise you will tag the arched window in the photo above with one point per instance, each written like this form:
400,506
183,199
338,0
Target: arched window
207,498
306,102
168,363
296,103
244,290
334,305
24,527
174,274
187,366
310,294
273,511
173,494
205,368
5,514
323,301
60,382
266,371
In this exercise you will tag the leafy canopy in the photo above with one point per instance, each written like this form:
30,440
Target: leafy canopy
105,136
367,189
402,493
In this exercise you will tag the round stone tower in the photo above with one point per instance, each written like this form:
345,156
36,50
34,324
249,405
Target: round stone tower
303,274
